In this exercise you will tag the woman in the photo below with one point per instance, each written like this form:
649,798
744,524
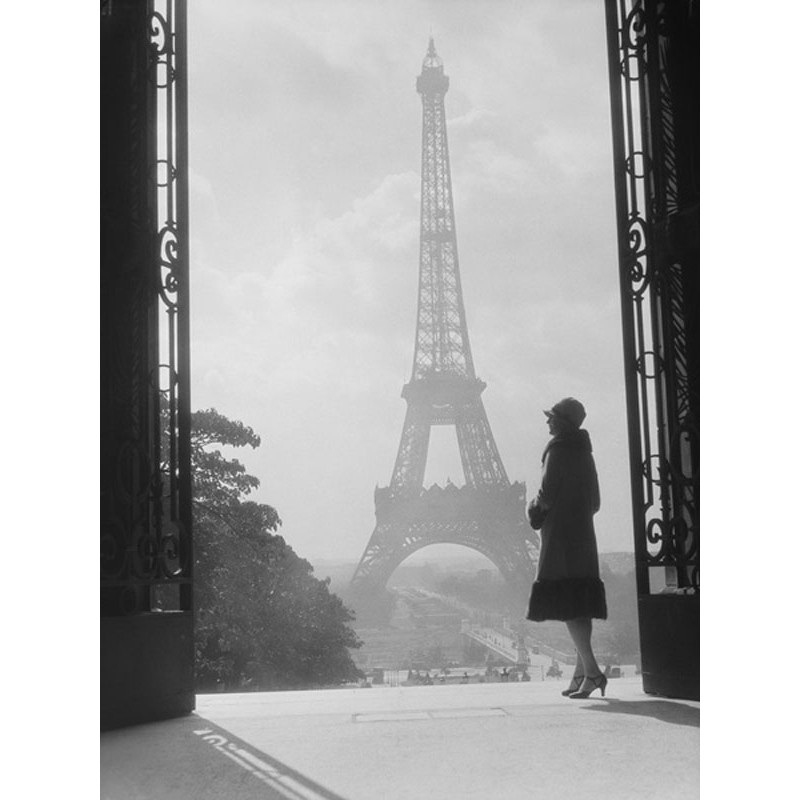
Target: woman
568,585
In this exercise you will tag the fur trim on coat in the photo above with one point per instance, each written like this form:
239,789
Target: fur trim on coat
567,598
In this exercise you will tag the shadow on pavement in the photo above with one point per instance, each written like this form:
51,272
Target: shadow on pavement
191,757
664,710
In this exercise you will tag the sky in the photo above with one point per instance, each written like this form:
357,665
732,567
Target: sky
305,148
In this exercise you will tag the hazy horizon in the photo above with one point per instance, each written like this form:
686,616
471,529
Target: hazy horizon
455,554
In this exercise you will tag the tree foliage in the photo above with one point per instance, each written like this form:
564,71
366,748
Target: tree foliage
220,483
263,620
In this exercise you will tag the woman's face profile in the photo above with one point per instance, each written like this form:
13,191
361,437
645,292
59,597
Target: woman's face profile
556,425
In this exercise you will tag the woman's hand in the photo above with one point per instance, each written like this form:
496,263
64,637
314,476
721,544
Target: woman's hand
536,515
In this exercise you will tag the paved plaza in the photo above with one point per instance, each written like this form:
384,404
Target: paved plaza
499,740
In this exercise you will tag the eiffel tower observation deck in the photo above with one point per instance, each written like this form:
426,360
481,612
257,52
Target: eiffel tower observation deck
487,513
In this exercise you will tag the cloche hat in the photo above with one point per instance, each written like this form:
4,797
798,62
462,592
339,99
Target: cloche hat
568,409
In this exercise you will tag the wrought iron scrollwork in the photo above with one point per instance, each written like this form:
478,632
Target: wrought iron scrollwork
161,36
169,263
636,256
169,551
145,543
656,194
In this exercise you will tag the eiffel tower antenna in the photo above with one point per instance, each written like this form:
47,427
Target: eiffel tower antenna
487,514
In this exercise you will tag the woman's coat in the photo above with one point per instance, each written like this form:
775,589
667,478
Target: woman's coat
568,581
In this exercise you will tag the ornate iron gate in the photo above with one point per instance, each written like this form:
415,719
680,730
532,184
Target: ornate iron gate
145,539
653,48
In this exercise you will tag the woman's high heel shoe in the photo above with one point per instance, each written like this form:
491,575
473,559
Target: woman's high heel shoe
600,682
574,685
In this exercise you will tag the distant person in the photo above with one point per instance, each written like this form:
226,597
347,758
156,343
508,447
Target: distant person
568,585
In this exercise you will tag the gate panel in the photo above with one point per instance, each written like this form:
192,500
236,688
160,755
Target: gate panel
145,485
653,49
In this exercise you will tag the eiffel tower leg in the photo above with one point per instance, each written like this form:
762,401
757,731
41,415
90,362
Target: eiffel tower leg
480,458
364,577
412,455
500,536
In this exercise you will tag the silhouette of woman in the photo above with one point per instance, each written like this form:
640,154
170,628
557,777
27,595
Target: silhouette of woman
568,585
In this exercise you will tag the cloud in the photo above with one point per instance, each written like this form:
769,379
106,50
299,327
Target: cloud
476,120
315,314
494,168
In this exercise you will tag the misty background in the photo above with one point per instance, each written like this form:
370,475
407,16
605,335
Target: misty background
305,146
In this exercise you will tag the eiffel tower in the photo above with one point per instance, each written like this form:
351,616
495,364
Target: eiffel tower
487,514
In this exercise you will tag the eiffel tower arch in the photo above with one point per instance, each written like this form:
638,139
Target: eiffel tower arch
487,513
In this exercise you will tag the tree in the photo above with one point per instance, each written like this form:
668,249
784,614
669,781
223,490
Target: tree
263,619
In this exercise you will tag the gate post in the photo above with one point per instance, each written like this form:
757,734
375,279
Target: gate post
146,625
653,53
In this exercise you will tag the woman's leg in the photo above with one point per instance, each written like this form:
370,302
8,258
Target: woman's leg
580,670
578,675
580,630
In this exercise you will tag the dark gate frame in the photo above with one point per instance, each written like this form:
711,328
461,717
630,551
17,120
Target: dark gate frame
147,645
653,54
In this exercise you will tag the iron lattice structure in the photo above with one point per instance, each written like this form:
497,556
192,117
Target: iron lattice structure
487,514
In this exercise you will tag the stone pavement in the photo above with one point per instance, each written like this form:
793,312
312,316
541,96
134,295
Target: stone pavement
500,741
